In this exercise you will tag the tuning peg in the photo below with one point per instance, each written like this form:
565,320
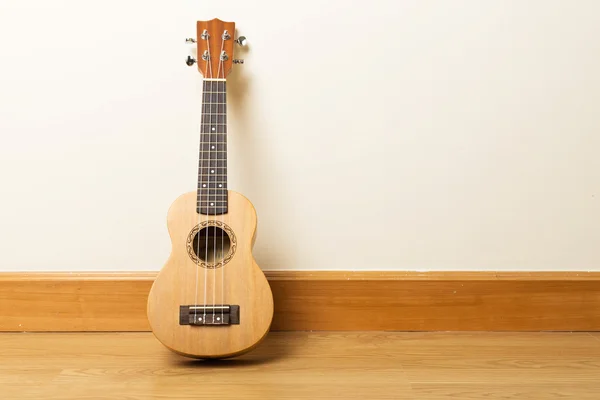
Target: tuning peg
190,61
190,40
241,40
238,61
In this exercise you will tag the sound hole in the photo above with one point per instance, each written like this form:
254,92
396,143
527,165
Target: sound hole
211,245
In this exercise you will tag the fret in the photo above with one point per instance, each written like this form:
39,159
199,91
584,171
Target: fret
203,167
212,137
211,199
207,196
213,163
206,199
203,186
212,191
211,188
211,183
219,201
213,128
207,209
213,98
214,108
217,171
213,196
211,210
214,86
217,118
209,180
212,156
219,146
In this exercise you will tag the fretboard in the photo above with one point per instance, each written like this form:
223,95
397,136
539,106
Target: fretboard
212,168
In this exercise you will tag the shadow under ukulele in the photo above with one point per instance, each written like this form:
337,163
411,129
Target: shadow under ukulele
272,349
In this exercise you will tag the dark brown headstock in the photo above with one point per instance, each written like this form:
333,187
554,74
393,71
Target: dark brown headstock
215,44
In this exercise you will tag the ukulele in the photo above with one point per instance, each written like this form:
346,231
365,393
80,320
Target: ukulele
210,299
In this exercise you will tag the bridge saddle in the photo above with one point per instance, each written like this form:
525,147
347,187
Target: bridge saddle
209,315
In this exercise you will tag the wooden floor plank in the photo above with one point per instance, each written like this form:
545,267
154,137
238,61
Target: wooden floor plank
537,358
306,365
134,366
502,390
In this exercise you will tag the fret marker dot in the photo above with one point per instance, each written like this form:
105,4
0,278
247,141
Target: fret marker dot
204,185
220,185
212,171
213,128
212,204
212,147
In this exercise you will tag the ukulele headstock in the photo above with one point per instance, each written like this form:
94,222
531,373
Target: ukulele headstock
215,47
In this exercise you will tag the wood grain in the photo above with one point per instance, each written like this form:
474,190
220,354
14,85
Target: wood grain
440,301
240,282
214,45
305,365
74,301
323,300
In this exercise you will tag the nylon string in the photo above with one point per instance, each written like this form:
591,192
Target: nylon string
208,182
217,180
207,73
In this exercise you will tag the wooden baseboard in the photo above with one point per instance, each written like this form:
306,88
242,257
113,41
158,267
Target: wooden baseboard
314,300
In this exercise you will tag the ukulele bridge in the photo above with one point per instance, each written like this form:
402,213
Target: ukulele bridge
209,315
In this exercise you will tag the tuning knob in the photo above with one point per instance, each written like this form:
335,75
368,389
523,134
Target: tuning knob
190,40
238,61
241,40
190,61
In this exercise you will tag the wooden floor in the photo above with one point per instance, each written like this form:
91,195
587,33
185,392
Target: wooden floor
303,365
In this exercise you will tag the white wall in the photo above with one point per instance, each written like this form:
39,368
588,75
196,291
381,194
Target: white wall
411,135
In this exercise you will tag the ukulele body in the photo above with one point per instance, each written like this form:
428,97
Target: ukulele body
217,305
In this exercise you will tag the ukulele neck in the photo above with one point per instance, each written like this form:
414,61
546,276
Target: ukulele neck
212,167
